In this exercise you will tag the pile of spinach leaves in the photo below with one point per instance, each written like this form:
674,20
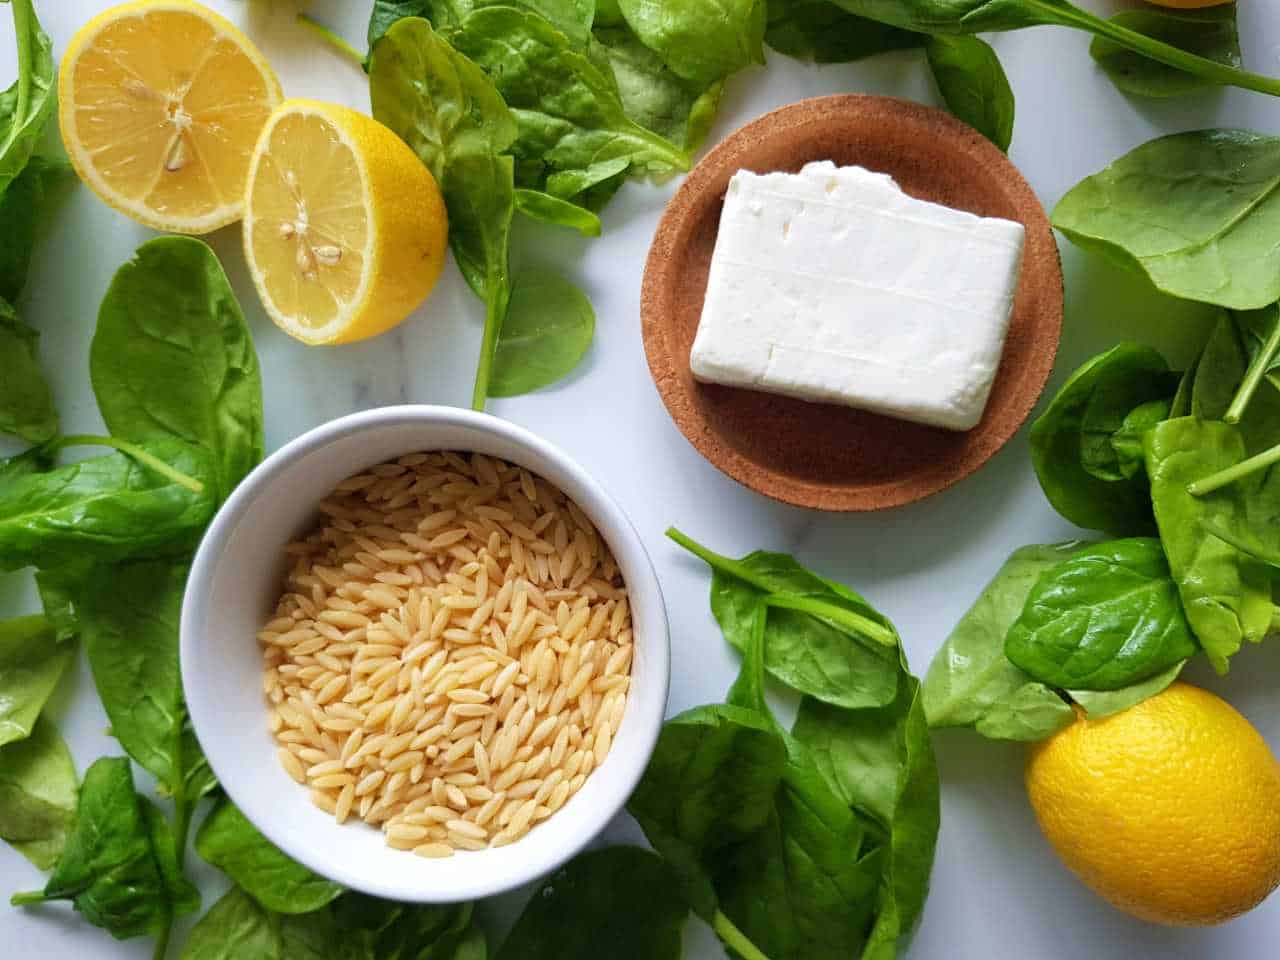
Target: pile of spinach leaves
1181,465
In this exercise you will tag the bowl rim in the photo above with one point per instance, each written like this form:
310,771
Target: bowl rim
202,710
662,268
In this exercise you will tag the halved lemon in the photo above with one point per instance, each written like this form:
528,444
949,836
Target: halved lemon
160,103
344,228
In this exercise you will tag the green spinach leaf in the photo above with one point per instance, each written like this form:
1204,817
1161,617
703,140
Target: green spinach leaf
547,331
973,85
1226,595
971,682
26,403
26,106
22,208
31,663
1104,619
1209,33
37,794
700,40
575,138
1105,703
541,206
111,869
1219,372
1192,211
618,902
228,841
106,508
1070,441
571,17
172,358
1260,331
818,30
129,619
1125,458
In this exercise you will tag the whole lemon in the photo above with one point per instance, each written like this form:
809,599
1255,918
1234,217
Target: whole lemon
1169,810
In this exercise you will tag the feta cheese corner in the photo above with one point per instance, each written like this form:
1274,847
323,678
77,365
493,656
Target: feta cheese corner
834,286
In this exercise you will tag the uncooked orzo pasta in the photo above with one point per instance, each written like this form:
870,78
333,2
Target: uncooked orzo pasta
451,656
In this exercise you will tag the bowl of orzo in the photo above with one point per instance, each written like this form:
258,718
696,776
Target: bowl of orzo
425,653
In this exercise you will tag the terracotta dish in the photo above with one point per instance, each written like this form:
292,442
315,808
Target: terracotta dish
820,455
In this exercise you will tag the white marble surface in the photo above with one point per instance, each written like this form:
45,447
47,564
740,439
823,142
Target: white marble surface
998,891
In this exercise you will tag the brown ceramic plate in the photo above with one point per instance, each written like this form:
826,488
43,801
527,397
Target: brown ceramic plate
820,455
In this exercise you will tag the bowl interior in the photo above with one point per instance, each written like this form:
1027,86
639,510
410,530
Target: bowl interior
820,455
236,580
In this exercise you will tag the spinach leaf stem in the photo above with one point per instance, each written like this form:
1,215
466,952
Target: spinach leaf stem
495,310
735,939
339,44
1216,481
1064,14
148,460
1253,376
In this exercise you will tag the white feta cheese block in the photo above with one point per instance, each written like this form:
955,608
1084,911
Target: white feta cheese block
832,285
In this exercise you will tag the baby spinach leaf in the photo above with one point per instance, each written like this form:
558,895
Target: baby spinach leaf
37,794
26,403
1226,595
58,586
971,682
22,208
129,619
387,12
106,508
655,96
700,40
1126,458
547,331
818,30
618,902
571,17
821,638
1104,619
110,868
172,358
1070,440
1105,703
881,762
543,207
1192,211
26,106
228,841
973,85
1219,371
564,138
1209,33
31,663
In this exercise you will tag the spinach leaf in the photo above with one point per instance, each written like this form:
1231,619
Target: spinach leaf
111,869
22,207
1219,371
1125,458
1209,33
26,403
228,841
1105,703
1104,619
822,639
445,108
58,586
107,508
655,96
1068,460
700,40
1192,211
567,139
26,106
37,794
818,30
1226,595
547,331
971,682
543,207
387,12
710,783
571,17
31,663
980,16
973,85
618,902
1244,538
172,358
129,618
1260,331
881,762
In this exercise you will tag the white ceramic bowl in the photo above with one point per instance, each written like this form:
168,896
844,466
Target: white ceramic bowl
235,582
